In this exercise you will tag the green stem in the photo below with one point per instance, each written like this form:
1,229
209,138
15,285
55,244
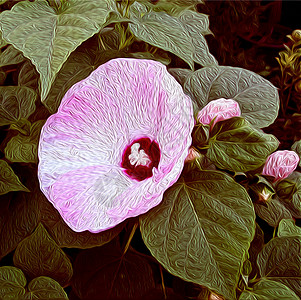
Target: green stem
274,232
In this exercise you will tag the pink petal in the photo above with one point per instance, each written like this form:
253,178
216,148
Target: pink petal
192,155
220,109
82,144
281,164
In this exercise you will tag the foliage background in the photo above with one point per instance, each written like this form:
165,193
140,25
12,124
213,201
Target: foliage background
118,263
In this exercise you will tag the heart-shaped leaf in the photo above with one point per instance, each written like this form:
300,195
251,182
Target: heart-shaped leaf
12,283
23,148
182,35
287,227
202,230
268,289
236,146
39,255
46,288
47,36
272,211
16,103
107,272
280,260
11,56
258,99
161,30
9,181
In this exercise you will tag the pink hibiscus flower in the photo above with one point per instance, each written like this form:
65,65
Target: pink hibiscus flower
117,142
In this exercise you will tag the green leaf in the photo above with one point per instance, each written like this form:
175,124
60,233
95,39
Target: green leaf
255,247
22,126
106,271
197,22
147,55
46,288
180,75
2,41
182,35
197,25
257,97
289,191
172,7
202,230
12,283
78,66
23,148
285,189
16,103
261,180
28,76
19,217
200,136
11,56
272,212
237,146
64,236
280,261
9,181
297,148
39,255
268,289
161,30
109,38
287,227
47,36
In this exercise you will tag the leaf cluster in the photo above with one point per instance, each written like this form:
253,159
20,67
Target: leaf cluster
205,238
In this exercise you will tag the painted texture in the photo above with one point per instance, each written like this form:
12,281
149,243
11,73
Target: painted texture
81,146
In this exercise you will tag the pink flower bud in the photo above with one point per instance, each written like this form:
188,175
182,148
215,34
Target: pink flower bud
192,155
220,109
281,164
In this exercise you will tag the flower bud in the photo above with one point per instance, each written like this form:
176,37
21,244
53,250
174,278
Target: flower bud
192,155
265,195
281,164
220,109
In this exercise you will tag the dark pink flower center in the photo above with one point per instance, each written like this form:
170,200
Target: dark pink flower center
140,157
